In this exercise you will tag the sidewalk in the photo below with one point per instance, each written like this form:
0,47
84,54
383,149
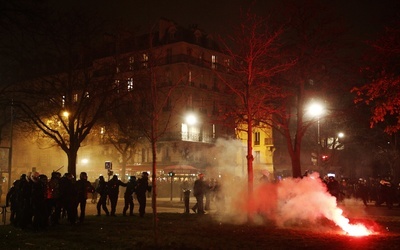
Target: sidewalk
164,205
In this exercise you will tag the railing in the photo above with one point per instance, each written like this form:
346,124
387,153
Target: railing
194,137
182,58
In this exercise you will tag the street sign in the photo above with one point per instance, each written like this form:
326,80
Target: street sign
108,165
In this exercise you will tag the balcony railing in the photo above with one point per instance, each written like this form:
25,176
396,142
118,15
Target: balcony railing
194,137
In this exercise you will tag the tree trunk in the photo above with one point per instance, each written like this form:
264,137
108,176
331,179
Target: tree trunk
154,190
72,157
123,166
250,158
296,166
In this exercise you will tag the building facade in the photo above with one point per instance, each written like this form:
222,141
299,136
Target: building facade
181,62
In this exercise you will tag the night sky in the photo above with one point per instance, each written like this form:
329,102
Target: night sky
364,17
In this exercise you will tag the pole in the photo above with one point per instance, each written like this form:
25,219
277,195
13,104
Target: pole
319,149
172,179
11,144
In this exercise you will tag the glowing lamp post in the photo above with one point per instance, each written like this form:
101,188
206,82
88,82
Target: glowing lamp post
316,110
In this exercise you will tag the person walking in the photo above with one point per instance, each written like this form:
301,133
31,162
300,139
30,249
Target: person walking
102,190
83,187
141,188
54,201
199,188
128,196
113,191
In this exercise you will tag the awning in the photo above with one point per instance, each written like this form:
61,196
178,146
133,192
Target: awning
181,169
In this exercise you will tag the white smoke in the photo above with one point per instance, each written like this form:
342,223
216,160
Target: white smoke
290,202
287,203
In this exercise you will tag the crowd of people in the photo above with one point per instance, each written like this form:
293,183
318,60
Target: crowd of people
38,202
372,191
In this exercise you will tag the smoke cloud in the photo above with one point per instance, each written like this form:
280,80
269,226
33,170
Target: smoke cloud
288,203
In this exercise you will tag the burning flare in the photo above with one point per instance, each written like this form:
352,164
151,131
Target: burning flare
351,229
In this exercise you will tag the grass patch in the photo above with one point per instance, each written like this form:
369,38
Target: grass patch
175,231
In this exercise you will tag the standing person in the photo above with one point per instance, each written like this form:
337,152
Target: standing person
113,191
362,191
128,196
334,187
11,201
25,200
19,184
83,187
199,188
54,203
219,196
141,189
102,190
38,200
209,188
67,197
184,186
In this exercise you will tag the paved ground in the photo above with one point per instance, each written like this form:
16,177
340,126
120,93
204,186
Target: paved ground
166,205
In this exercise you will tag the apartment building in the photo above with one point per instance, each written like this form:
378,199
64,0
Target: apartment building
184,60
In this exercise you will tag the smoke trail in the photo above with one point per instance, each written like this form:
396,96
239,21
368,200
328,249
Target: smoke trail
288,203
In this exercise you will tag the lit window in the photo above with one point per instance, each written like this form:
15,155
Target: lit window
213,131
63,101
257,157
130,84
257,137
213,62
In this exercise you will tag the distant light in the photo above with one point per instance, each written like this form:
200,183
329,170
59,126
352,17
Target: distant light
65,114
341,135
191,119
84,161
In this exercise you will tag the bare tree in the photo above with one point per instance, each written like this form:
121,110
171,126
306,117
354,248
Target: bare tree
154,99
122,130
255,52
67,93
314,37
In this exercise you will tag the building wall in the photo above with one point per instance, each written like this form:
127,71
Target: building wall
263,148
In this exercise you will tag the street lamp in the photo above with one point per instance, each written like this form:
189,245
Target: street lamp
316,110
